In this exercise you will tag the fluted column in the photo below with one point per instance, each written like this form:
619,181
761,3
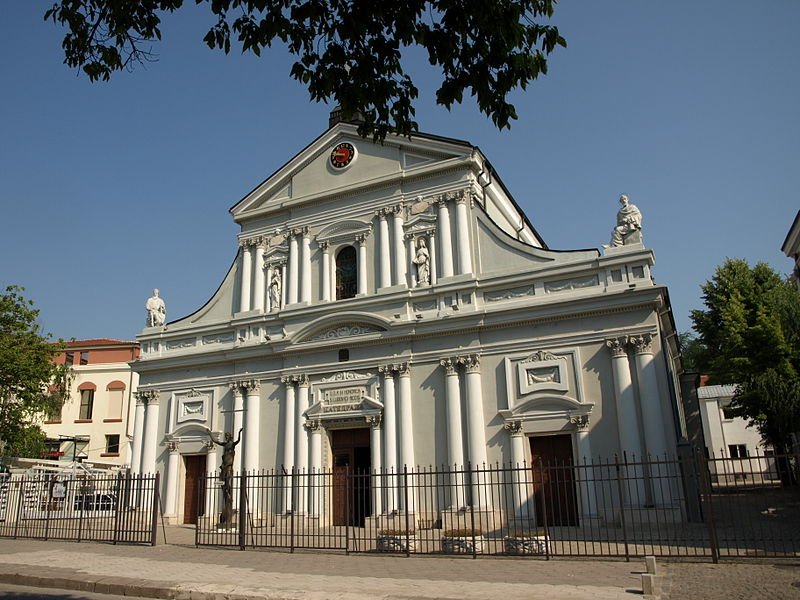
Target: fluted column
294,259
455,442
399,247
326,271
585,470
446,241
238,421
284,287
476,430
150,432
407,456
627,419
138,436
434,260
301,445
317,476
519,475
389,437
462,229
170,505
288,439
247,276
212,490
361,239
377,465
385,271
252,421
655,434
259,288
305,267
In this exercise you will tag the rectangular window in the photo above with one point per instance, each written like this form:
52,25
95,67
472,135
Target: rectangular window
737,450
87,401
112,444
85,357
69,358
728,413
115,404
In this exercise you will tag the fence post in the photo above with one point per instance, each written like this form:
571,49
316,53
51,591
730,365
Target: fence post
708,513
292,483
473,480
405,504
20,500
544,510
117,501
154,510
242,509
622,504
47,504
347,487
82,497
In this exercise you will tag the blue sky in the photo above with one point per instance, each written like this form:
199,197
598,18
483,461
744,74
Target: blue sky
110,189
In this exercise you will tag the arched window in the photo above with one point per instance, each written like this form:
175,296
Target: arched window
346,273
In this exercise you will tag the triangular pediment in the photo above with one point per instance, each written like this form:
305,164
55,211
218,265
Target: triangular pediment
312,174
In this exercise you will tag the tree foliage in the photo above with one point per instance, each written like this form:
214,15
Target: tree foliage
749,334
31,384
349,52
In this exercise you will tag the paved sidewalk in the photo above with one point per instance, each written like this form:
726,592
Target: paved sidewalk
178,570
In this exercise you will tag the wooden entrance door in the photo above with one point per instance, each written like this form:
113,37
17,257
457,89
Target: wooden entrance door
351,476
553,481
194,497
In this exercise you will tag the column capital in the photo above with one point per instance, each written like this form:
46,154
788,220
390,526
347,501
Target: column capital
461,196
374,421
513,427
298,232
396,210
147,396
382,213
288,379
302,380
617,346
324,245
361,238
471,362
312,425
642,343
236,387
251,386
172,446
403,369
450,365
442,200
386,369
581,422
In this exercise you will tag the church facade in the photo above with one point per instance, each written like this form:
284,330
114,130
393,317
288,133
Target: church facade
389,306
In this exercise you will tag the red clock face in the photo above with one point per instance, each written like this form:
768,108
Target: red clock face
342,155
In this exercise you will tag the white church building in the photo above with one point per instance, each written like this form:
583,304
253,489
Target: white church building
391,305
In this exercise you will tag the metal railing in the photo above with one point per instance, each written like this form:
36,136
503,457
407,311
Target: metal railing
621,507
78,506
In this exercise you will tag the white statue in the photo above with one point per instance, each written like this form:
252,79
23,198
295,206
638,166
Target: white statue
629,224
275,290
156,311
423,262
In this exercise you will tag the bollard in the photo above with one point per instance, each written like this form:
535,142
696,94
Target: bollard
650,563
648,584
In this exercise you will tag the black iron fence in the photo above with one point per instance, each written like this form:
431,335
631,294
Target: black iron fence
115,508
684,507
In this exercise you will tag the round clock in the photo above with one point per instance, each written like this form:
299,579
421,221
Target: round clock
342,155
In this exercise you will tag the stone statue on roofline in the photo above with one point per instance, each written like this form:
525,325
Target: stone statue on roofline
156,310
629,225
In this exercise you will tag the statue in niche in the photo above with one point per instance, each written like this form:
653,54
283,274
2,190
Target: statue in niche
423,262
275,290
629,224
226,476
156,310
